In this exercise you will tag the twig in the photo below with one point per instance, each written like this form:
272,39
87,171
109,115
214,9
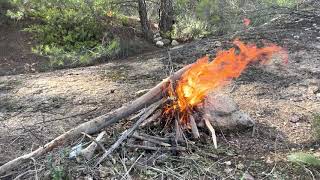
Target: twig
177,148
213,133
177,176
155,137
128,132
178,131
127,173
27,172
194,128
89,151
126,170
35,168
137,136
151,119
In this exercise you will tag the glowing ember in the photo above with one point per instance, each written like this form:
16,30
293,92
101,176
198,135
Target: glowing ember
204,76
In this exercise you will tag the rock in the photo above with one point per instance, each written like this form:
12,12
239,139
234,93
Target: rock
296,118
157,34
220,104
166,41
159,44
157,39
242,119
223,113
174,43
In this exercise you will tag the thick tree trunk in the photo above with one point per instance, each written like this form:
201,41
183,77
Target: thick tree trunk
144,19
166,17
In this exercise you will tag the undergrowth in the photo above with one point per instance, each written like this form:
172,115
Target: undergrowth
72,32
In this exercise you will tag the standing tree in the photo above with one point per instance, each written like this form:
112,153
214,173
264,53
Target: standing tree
166,17
142,8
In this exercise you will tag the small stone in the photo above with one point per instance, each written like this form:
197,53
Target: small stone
157,39
269,161
313,89
228,170
174,43
294,118
156,35
217,43
240,166
228,163
166,41
88,177
159,44
247,176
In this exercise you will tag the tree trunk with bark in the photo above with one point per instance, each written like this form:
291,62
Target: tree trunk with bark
142,8
166,17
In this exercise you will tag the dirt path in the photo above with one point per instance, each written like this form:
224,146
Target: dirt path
35,108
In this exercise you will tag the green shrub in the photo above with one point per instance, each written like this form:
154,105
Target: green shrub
302,158
69,32
188,28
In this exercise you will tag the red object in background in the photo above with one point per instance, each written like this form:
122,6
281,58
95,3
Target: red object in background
246,21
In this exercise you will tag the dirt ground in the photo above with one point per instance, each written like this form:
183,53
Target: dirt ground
37,107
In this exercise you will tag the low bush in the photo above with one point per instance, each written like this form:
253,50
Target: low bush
69,32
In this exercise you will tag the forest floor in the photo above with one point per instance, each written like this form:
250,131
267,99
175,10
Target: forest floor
37,107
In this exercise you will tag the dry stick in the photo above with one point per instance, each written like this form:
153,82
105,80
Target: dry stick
194,128
153,118
137,136
128,132
127,173
213,133
155,137
177,148
98,123
178,132
89,151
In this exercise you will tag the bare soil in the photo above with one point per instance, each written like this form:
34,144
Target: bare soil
35,108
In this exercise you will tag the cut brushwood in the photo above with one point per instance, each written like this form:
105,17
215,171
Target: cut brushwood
178,148
98,123
89,151
128,132
152,140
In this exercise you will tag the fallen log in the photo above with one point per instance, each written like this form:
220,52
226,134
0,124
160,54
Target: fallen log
98,123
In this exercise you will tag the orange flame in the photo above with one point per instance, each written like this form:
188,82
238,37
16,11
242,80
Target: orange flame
204,76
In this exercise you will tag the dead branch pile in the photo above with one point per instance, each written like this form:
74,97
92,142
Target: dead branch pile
217,111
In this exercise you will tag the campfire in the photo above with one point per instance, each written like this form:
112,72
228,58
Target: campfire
192,96
189,99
